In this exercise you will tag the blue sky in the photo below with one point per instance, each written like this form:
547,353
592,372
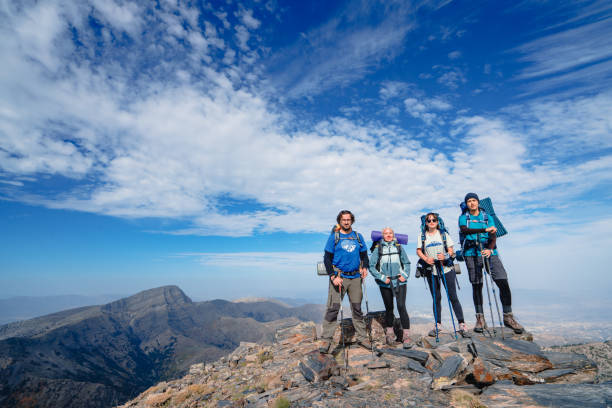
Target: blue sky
211,145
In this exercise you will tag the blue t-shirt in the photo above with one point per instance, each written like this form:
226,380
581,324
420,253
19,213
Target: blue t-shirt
346,252
477,221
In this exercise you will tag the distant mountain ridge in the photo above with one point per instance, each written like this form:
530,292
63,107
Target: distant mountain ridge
27,307
96,356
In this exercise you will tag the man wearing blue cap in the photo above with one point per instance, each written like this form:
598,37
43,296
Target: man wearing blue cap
480,229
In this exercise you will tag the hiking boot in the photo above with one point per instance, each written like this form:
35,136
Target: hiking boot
389,336
365,343
481,324
406,340
510,322
324,346
463,331
432,332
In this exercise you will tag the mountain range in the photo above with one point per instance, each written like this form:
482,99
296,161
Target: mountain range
96,356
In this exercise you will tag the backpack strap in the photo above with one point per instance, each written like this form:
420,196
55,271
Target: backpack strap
398,247
337,238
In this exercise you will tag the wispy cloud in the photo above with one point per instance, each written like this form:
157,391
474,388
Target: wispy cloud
575,57
270,261
345,48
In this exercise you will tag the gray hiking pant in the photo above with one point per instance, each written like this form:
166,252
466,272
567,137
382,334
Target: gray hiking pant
474,265
354,290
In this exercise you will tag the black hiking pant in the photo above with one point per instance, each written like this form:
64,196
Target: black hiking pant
451,286
504,294
500,277
387,296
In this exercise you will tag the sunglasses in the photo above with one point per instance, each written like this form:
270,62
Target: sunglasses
432,220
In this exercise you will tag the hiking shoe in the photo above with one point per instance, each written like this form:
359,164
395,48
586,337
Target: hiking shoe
510,322
324,346
365,343
432,333
389,336
463,331
481,324
406,340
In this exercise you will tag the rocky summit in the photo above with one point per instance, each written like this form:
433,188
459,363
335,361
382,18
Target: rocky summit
479,370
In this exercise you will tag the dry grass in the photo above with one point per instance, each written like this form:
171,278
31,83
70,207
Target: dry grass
264,355
181,397
463,399
201,389
158,400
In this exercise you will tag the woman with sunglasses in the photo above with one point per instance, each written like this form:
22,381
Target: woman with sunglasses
430,251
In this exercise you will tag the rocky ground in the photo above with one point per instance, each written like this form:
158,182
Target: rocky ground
481,371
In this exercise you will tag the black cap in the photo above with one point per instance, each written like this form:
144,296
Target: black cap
471,195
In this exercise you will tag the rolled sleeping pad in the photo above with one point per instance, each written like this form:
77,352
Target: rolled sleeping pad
401,238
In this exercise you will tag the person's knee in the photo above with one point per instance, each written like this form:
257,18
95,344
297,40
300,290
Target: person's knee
332,312
356,308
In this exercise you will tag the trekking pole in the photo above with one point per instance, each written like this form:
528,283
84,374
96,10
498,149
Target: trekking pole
450,307
501,324
487,284
365,294
433,292
342,331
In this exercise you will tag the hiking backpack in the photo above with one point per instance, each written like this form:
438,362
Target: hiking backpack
321,270
378,244
423,267
462,236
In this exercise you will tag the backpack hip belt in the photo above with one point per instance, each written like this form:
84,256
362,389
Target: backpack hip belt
340,271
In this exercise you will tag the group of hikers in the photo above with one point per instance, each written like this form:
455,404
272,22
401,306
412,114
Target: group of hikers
347,263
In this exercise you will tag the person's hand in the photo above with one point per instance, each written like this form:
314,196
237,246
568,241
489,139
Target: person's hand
486,253
491,230
402,279
440,257
429,260
451,251
364,272
337,281
388,281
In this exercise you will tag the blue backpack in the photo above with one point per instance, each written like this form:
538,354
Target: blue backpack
464,211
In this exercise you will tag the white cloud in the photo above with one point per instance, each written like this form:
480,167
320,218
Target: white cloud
392,89
454,55
242,35
452,77
423,108
248,20
124,17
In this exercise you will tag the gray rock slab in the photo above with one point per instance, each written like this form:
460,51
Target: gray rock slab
414,366
417,355
548,395
513,354
569,360
553,374
317,367
450,367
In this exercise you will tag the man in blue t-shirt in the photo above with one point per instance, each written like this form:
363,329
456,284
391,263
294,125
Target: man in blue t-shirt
480,233
346,261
